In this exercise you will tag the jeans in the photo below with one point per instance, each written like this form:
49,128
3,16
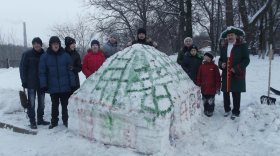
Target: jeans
41,104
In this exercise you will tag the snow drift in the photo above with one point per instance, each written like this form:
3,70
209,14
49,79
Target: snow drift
138,99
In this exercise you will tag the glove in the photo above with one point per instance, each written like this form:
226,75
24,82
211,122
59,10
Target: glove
24,85
218,92
44,89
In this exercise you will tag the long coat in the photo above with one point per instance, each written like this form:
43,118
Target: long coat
55,72
238,60
77,65
208,78
29,68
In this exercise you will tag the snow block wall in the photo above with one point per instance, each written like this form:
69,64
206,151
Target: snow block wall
138,99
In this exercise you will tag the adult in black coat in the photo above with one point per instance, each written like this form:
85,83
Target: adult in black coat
70,48
142,38
29,74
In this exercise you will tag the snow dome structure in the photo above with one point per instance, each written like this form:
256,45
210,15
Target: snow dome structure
138,99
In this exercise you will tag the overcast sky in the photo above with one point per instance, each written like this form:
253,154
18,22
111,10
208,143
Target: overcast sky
39,15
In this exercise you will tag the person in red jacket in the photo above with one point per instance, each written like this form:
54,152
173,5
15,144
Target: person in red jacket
93,59
209,79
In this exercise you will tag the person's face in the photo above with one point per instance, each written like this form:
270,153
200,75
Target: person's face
193,52
141,36
72,46
95,48
188,42
206,58
55,46
37,46
112,40
231,37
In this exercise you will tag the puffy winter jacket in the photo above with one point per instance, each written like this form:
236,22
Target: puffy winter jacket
55,73
208,78
29,69
92,62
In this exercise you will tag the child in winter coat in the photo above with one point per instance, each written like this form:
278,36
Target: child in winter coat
209,79
93,59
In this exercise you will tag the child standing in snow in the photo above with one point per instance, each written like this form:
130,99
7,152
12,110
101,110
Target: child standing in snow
209,79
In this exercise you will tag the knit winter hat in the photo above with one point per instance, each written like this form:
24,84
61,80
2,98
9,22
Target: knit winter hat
114,35
209,54
194,47
69,41
141,30
37,40
54,39
94,42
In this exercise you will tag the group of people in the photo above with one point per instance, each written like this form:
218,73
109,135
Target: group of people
56,72
234,58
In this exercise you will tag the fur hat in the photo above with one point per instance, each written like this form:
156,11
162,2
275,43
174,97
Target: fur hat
68,41
141,30
37,40
188,38
94,42
209,54
54,39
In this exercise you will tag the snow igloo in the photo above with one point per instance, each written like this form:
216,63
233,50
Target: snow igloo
138,99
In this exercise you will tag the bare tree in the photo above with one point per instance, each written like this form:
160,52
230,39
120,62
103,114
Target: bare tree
81,31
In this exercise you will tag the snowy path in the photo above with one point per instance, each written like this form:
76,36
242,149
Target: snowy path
255,133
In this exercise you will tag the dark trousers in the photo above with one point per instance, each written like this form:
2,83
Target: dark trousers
236,96
41,105
208,102
63,99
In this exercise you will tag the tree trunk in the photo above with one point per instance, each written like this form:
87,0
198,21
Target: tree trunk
188,17
229,13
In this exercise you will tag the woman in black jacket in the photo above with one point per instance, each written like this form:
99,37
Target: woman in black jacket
70,48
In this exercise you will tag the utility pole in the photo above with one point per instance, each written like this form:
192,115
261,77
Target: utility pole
24,35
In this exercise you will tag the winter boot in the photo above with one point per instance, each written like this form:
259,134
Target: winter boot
42,122
233,116
65,124
33,125
52,125
226,114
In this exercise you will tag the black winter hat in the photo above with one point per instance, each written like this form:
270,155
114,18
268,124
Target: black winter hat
94,42
209,54
68,41
141,30
54,39
37,40
194,47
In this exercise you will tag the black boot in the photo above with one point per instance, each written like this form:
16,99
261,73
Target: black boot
33,125
65,124
42,122
52,126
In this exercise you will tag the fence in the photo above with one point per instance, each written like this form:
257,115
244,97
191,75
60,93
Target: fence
9,63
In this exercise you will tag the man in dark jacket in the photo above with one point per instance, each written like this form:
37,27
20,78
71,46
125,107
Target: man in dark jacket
111,47
142,38
29,73
70,48
57,79
233,62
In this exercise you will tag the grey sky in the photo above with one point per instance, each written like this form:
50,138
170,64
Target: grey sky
39,15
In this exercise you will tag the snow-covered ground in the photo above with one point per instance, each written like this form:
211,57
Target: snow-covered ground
255,133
